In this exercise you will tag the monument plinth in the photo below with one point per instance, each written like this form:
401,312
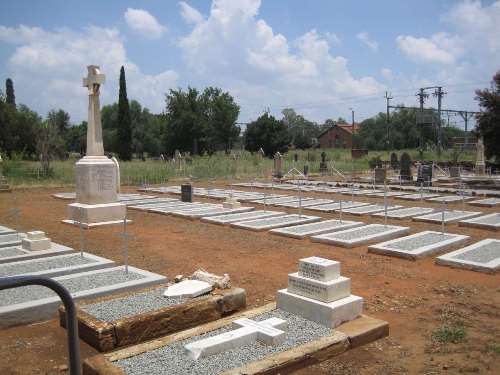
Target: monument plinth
96,181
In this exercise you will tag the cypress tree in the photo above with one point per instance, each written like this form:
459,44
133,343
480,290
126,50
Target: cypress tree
9,91
124,131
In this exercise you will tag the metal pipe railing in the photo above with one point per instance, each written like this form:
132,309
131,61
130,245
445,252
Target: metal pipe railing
71,320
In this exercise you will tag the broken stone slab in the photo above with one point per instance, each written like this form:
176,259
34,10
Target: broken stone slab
188,289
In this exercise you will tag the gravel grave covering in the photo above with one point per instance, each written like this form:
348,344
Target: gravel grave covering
10,252
448,215
483,254
361,232
412,244
43,264
9,238
313,226
406,212
133,304
172,360
76,284
487,219
272,220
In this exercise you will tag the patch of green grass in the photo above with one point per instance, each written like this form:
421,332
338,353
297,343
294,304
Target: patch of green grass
454,333
495,348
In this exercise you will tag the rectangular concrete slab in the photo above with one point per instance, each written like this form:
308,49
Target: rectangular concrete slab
417,196
389,194
483,256
450,216
243,216
17,253
370,209
35,303
215,212
361,235
57,265
271,201
491,222
275,222
305,203
336,206
405,213
487,202
305,230
419,245
450,199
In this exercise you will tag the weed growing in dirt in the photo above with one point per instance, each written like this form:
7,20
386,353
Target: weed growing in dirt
495,348
449,333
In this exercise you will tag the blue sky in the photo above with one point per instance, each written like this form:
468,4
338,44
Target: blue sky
320,57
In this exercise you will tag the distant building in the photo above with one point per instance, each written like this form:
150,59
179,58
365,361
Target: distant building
338,136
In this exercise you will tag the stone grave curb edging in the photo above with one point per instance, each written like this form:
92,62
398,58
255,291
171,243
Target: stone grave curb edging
424,218
383,249
350,335
56,249
395,231
45,308
97,264
448,260
106,336
283,231
473,224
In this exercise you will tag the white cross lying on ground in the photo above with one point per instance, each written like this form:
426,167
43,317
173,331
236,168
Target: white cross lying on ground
269,331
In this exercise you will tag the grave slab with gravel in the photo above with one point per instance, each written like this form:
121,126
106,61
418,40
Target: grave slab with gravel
215,211
450,199
388,194
58,265
305,203
361,235
417,196
36,303
370,209
305,230
487,202
491,222
243,216
405,213
5,230
483,256
10,240
17,253
332,207
450,216
419,245
275,222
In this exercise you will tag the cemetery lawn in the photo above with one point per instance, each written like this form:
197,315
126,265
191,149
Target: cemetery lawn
442,320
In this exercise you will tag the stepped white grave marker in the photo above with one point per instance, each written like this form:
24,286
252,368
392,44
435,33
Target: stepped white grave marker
270,332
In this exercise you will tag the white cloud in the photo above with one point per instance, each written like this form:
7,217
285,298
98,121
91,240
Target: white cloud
190,14
370,43
333,38
387,73
440,48
52,64
235,49
144,23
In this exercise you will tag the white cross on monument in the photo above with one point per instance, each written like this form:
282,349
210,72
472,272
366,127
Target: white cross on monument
269,331
93,82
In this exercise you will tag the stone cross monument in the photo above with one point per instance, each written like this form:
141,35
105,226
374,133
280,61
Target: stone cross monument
480,163
96,198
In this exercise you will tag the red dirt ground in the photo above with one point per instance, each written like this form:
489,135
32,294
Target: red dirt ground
415,298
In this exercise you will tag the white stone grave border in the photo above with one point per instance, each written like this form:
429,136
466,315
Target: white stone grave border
372,211
346,224
333,207
391,231
417,196
214,212
303,219
306,202
46,308
485,202
55,249
97,264
14,243
6,230
449,199
384,248
473,223
392,212
259,214
449,259
426,218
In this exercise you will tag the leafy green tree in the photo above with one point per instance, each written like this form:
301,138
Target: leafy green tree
303,132
488,121
124,129
49,142
9,92
76,138
269,133
109,119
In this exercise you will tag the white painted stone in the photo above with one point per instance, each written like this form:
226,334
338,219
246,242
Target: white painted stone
188,288
330,314
270,332
324,291
470,257
320,269
36,235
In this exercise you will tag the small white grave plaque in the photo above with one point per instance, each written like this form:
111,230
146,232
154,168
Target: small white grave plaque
319,268
188,288
269,331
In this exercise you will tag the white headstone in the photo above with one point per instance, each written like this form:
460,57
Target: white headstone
270,332
188,288
36,241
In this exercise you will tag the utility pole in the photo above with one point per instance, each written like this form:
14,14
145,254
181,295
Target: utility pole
439,93
466,116
387,120
421,98
352,114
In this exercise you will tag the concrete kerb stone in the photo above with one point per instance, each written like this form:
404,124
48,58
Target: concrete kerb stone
55,249
305,230
449,216
46,308
448,242
491,222
457,259
275,222
355,237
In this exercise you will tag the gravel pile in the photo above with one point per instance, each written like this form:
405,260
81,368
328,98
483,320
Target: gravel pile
44,264
483,254
134,304
10,252
417,242
96,280
172,360
361,232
